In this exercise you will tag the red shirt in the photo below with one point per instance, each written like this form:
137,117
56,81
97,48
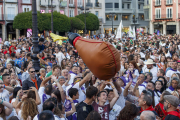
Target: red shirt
10,49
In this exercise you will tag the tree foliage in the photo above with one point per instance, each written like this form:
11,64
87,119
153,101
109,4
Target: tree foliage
92,21
61,22
76,23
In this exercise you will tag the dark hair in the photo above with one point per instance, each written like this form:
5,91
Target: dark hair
165,82
41,40
56,66
99,94
57,93
129,112
73,91
31,94
162,71
48,105
134,64
48,89
13,55
30,68
93,115
149,97
13,118
4,76
155,90
15,91
2,70
46,115
91,91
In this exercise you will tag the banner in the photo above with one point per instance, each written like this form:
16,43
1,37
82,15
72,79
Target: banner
119,34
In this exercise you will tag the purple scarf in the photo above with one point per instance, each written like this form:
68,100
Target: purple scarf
171,88
72,72
173,70
44,97
130,78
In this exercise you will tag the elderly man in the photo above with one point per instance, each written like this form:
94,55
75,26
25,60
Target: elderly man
170,105
147,115
64,73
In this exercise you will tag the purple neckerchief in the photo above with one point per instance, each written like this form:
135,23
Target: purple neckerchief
142,85
44,97
171,88
130,78
173,70
72,72
133,83
145,82
68,105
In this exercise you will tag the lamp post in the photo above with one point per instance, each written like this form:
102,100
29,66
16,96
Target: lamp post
112,16
35,41
84,8
52,16
134,21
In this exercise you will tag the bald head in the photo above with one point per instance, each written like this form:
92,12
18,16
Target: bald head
147,115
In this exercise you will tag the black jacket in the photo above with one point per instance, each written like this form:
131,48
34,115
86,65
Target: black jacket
171,117
83,110
29,83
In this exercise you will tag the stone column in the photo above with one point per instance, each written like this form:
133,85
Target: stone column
151,28
177,27
164,27
4,32
17,33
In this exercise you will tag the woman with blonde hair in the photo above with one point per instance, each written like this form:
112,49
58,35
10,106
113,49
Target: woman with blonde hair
26,108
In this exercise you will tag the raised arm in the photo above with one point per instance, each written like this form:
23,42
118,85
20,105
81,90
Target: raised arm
73,107
9,106
60,88
38,100
10,89
86,78
116,96
17,99
125,93
45,81
117,85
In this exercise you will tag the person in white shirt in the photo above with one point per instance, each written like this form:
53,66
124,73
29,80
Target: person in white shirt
173,84
78,83
59,55
73,73
172,70
151,68
113,114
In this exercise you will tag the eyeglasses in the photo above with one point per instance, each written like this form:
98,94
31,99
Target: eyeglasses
32,71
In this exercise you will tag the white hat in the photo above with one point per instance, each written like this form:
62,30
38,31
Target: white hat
149,62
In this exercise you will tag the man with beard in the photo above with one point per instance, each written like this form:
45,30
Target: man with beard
151,68
170,105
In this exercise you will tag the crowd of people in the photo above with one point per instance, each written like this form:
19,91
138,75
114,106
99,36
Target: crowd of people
147,87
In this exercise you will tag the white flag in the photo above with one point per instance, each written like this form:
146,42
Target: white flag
119,30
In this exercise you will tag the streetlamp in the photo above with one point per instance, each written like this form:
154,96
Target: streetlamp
134,21
52,16
84,8
112,16
35,41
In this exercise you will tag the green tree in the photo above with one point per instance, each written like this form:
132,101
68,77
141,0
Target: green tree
92,21
23,21
76,24
61,22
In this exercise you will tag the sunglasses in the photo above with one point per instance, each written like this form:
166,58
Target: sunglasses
32,71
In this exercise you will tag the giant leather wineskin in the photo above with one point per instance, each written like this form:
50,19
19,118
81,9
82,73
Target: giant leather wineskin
100,57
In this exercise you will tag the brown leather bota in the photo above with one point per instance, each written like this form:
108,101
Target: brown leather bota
100,57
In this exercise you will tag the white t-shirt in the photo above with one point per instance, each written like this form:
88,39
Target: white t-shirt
60,57
82,96
14,111
55,116
154,71
72,78
114,112
169,74
5,95
121,100
19,115
41,93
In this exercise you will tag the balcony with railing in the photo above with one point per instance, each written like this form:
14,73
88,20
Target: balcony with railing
157,3
63,4
10,16
163,16
168,2
89,5
25,2
126,1
141,1
72,5
79,4
11,1
44,3
97,5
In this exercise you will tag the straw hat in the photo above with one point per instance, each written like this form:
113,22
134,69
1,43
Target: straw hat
149,62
